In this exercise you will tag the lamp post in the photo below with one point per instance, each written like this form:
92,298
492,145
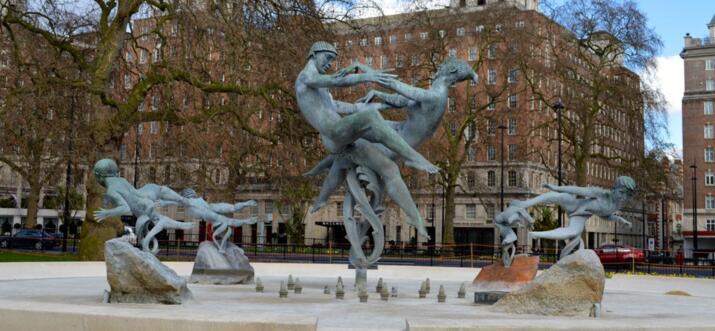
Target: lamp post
68,177
137,151
501,127
695,207
558,107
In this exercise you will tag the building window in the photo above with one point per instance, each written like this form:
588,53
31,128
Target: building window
129,56
512,126
513,149
451,104
363,42
471,179
430,212
492,51
415,60
710,85
708,107
479,29
491,126
384,63
709,131
460,32
472,55
710,225
378,41
442,33
154,127
368,60
513,75
453,129
512,101
393,40
399,60
156,55
424,35
491,210
498,28
491,178
471,153
491,153
710,202
512,178
710,64
709,178
709,154
471,211
408,36
143,56
492,77
127,81
339,209
453,52
492,103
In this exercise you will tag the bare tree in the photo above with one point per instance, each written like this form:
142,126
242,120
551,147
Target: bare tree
184,55
590,61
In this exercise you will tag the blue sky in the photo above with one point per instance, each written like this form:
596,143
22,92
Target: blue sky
672,20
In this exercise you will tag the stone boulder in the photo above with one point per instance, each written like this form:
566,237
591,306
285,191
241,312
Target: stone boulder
571,287
213,267
135,276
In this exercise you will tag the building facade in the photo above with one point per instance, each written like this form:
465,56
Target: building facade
699,143
512,126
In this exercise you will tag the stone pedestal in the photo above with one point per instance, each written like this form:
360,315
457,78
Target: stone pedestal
212,267
571,287
495,280
135,276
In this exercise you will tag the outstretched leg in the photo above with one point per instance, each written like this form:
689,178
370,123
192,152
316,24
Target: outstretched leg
366,155
370,125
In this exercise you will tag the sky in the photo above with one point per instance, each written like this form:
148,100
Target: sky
671,20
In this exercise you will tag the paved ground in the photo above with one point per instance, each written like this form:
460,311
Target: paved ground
47,292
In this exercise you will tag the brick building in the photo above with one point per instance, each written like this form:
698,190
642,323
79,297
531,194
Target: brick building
698,145
411,45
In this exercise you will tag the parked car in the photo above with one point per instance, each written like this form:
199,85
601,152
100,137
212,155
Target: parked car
620,254
35,239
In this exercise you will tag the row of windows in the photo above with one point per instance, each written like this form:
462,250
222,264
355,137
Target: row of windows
407,37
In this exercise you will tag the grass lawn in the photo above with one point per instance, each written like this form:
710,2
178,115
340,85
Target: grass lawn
11,256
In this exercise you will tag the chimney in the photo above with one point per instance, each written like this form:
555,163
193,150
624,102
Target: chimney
688,40
711,27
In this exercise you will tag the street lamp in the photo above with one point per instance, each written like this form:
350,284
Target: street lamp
502,127
68,176
558,107
695,207
137,150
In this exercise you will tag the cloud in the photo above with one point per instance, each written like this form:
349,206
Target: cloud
669,79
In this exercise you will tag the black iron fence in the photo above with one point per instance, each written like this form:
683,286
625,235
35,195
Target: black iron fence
317,250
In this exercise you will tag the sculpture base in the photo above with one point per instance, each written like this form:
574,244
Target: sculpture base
213,267
572,287
135,276
495,280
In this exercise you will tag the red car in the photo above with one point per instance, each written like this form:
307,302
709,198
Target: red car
620,254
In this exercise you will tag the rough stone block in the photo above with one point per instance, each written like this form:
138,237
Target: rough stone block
571,287
212,267
135,276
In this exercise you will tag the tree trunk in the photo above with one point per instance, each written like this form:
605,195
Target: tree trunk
448,217
32,204
93,234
